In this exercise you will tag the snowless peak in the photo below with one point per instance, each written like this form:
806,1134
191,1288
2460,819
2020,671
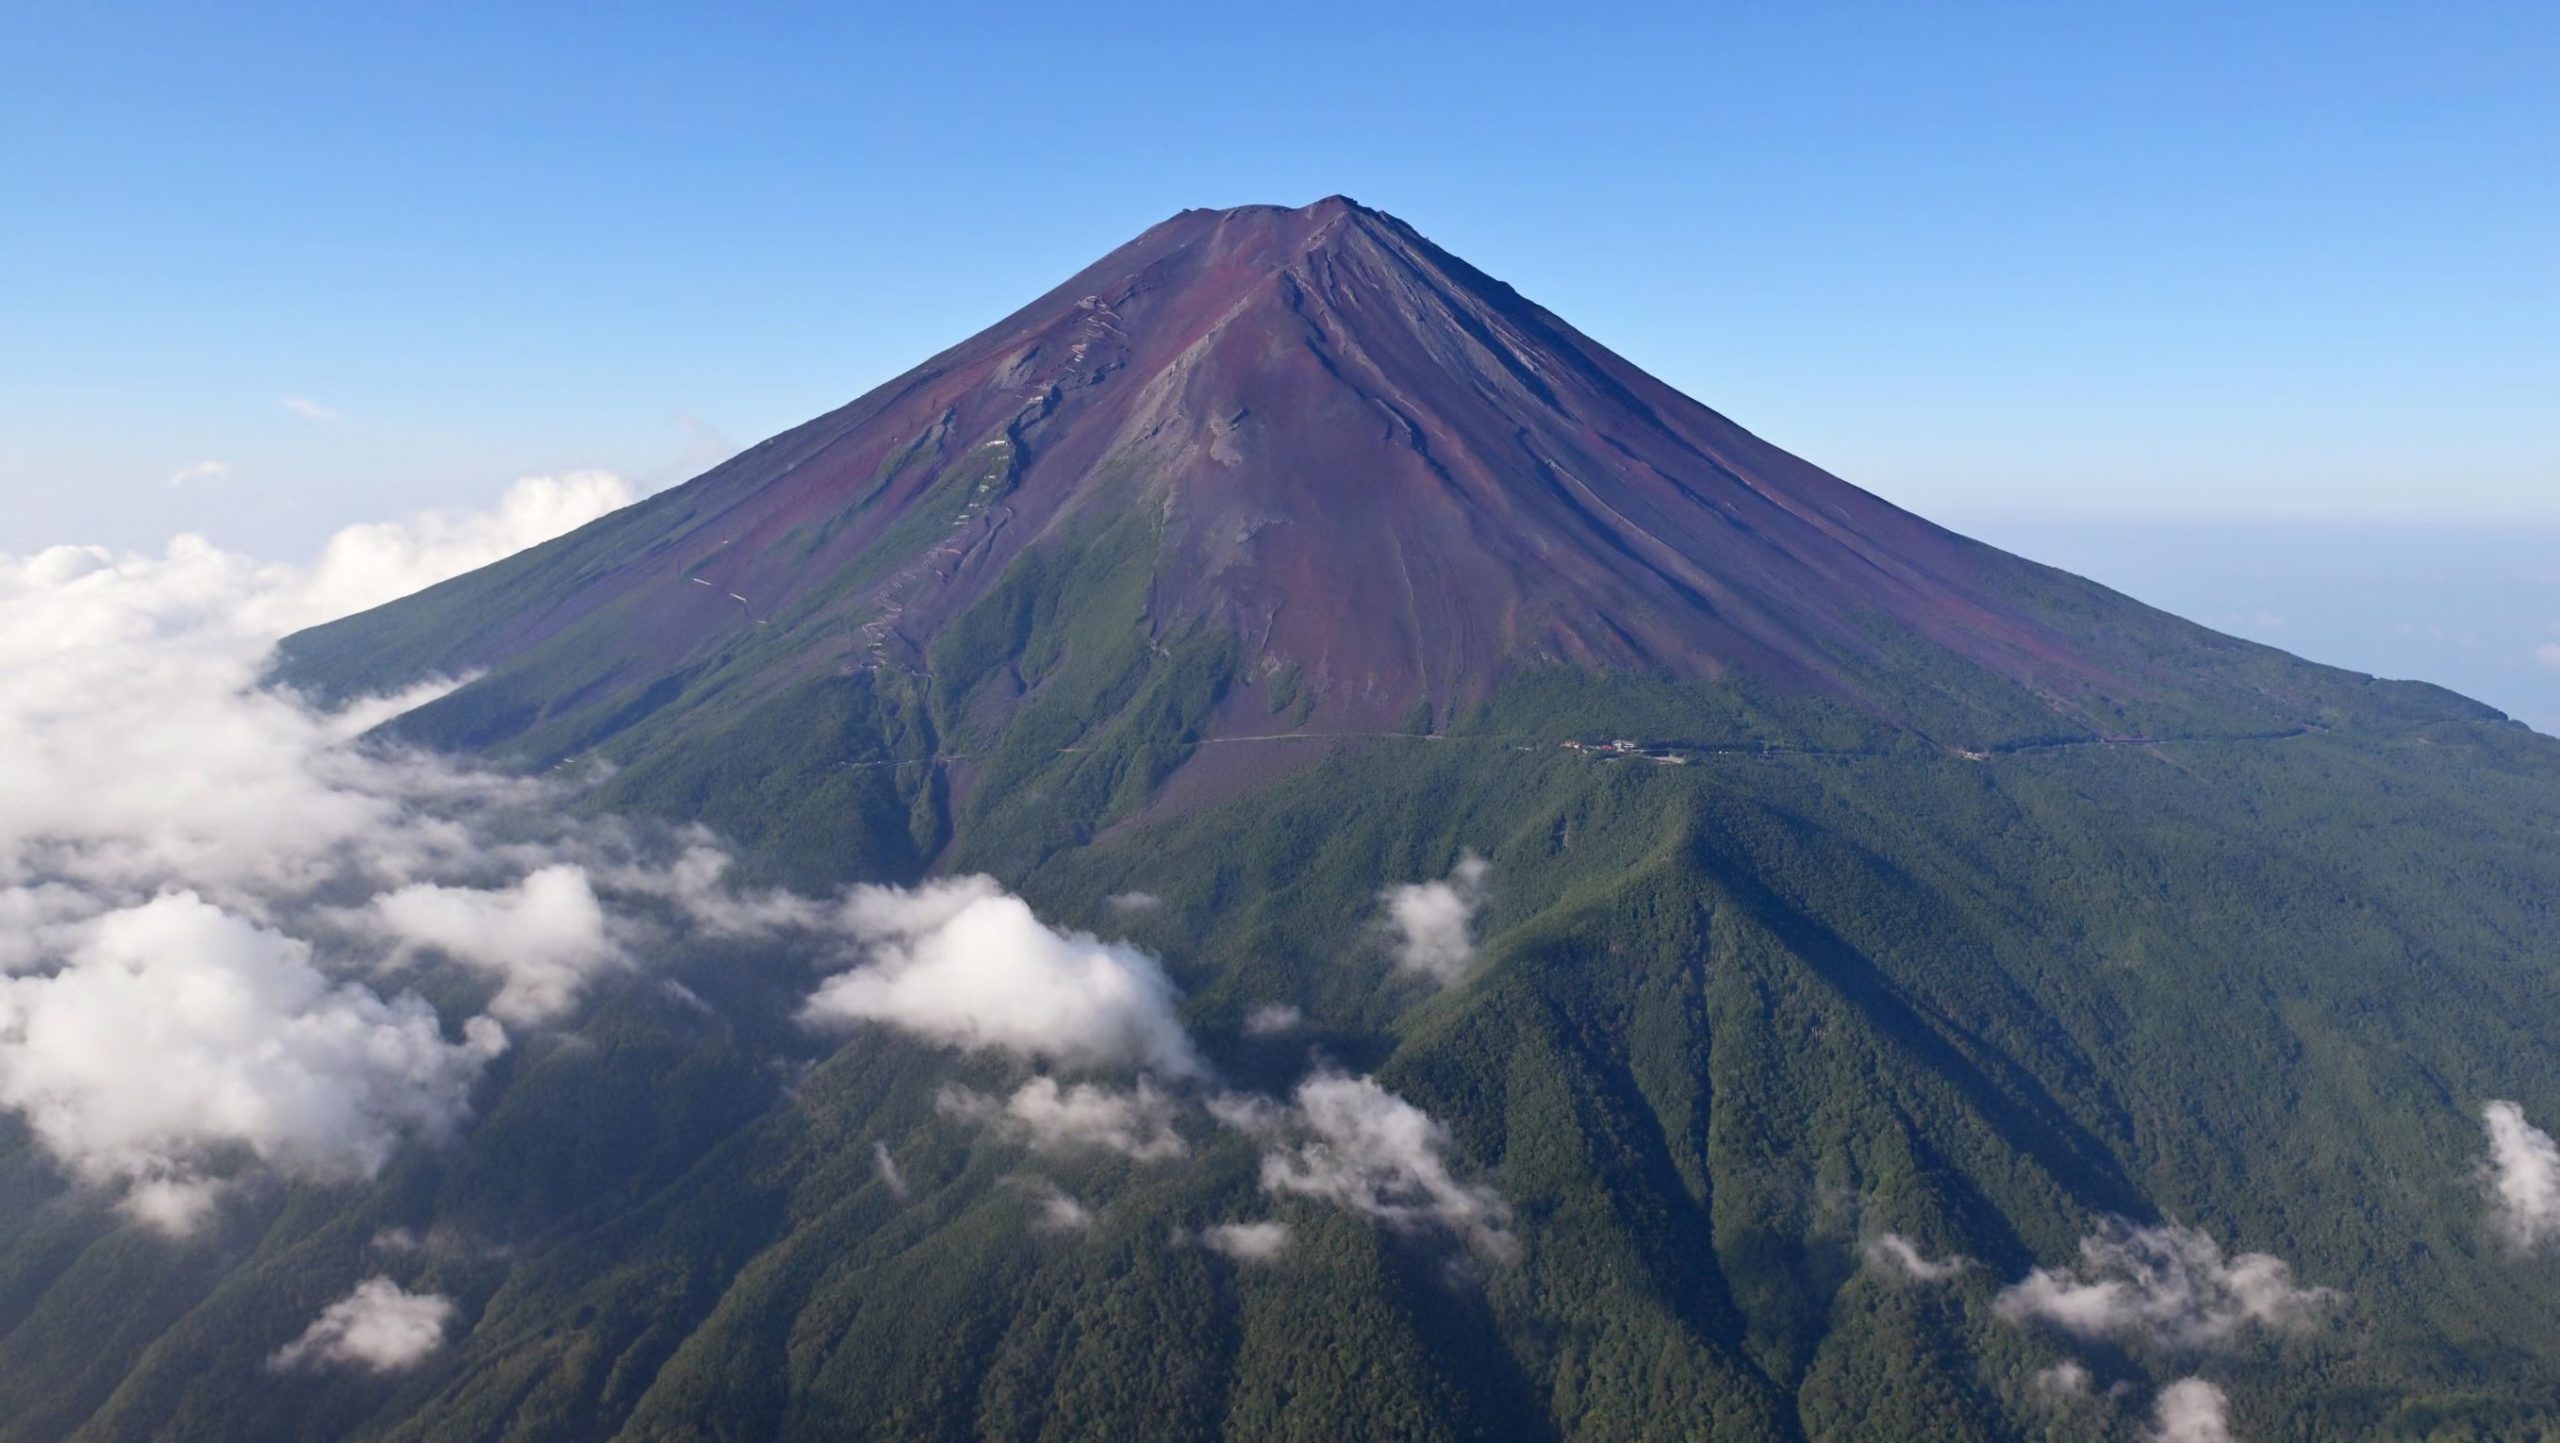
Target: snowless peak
1335,453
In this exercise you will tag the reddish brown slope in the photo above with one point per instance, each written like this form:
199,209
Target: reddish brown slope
1362,457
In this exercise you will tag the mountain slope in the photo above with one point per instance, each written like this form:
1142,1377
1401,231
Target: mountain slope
1270,562
1340,454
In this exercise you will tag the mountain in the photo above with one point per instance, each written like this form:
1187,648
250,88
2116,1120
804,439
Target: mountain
1948,918
1375,482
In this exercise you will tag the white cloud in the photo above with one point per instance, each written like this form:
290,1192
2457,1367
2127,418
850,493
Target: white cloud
308,409
1897,1255
365,566
1361,1147
2190,1410
696,884
441,1243
176,1032
1262,1242
168,826
379,1328
2524,1177
2064,1382
211,873
1434,922
1247,1112
138,749
195,471
964,963
543,938
40,921
887,1166
1053,1210
2167,1287
250,1046
1136,1124
1273,1019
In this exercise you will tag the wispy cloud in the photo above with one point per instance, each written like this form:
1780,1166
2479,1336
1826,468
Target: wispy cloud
308,409
887,1166
1136,1123
1262,1242
195,471
2063,1382
1273,1019
1898,1256
1053,1211
437,1244
1357,1146
2166,1287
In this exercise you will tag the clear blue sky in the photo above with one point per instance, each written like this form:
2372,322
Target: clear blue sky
2267,260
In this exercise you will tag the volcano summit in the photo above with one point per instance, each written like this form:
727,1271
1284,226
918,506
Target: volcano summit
1379,483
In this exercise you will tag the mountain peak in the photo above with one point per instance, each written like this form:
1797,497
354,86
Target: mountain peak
1328,208
1378,483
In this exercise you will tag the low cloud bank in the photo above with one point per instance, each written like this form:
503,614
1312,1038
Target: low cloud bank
378,1328
168,828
